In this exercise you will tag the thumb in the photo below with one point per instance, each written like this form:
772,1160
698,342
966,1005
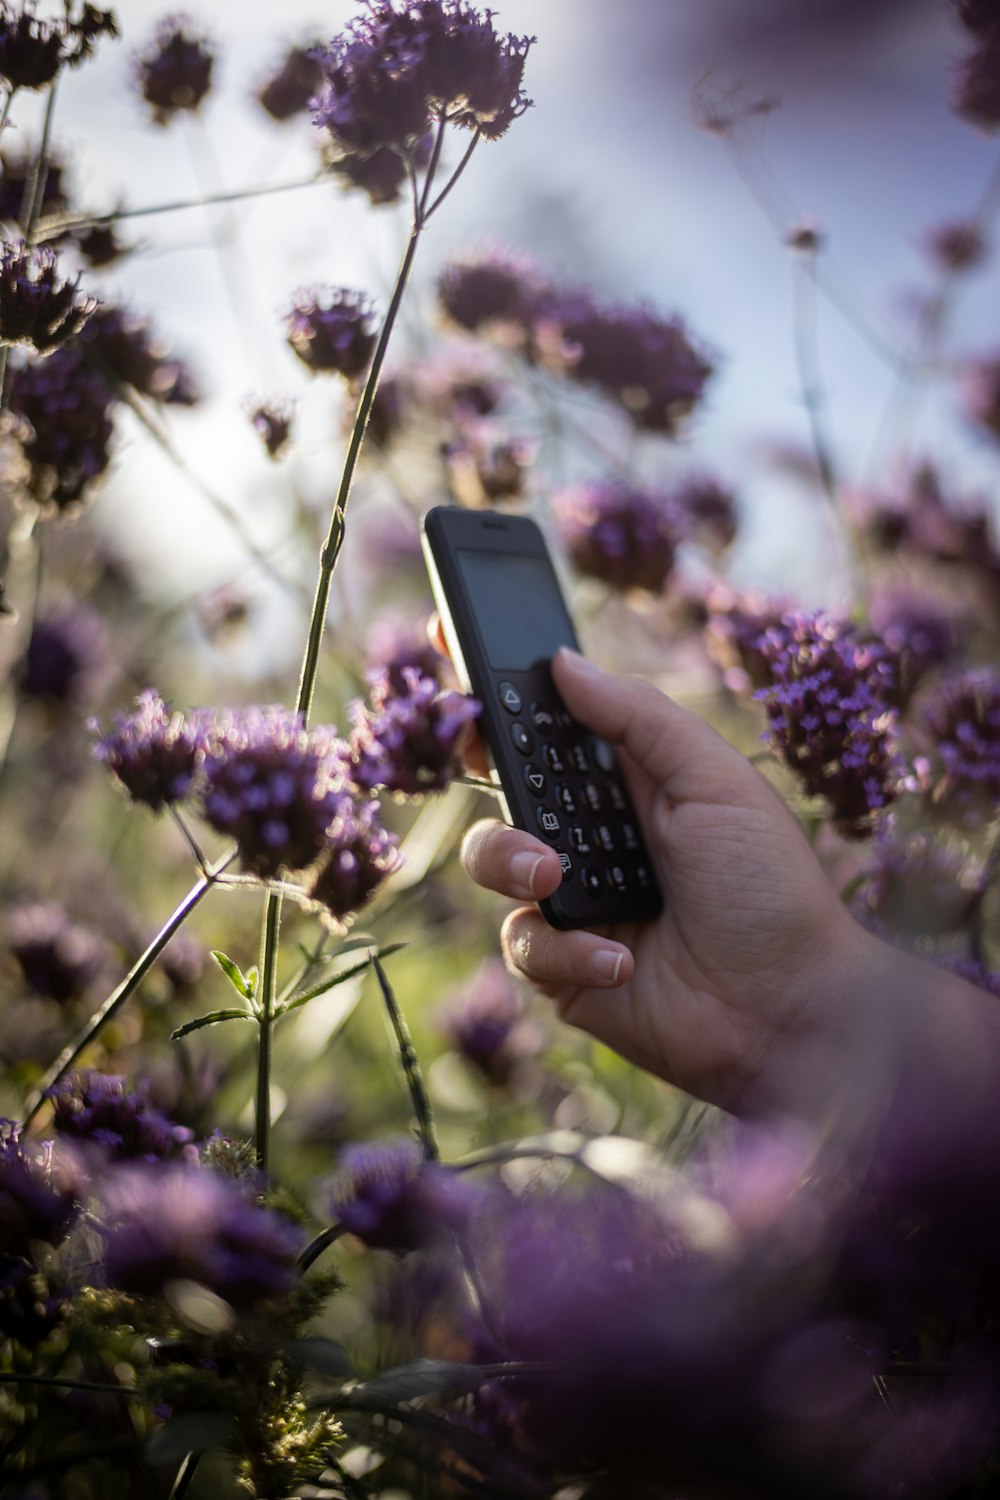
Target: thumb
673,746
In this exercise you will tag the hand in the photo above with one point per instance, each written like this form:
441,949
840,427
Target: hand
741,992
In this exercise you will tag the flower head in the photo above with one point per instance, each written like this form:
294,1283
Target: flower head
126,349
829,718
290,90
493,290
976,94
272,421
169,1222
485,465
17,168
394,643
36,308
709,511
175,72
36,1204
65,656
957,246
58,958
152,753
961,718
624,536
359,853
66,407
99,1110
918,633
917,887
99,245
409,741
272,785
32,51
484,1022
393,1199
736,624
333,331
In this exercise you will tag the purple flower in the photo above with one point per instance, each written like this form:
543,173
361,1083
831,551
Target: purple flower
98,1109
409,741
918,633
358,855
99,245
916,517
957,246
66,407
125,349
624,536
394,72
290,89
389,1196
272,421
31,50
37,1201
333,331
169,1222
394,643
736,624
709,512
65,657
976,93
484,465
36,308
175,72
919,888
152,753
57,958
484,1022
182,962
491,289
961,718
380,174
16,171
272,785
646,363
829,717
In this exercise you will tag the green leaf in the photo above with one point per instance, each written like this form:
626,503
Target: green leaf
424,1377
191,1432
334,979
252,980
325,1355
239,981
210,1020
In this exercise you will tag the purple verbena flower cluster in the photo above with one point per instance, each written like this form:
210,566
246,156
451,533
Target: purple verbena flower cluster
391,1198
957,246
290,89
58,958
17,168
961,718
272,421
395,72
492,291
829,717
709,511
409,741
916,518
152,753
919,634
37,1202
33,50
394,642
484,1022
124,348
37,309
66,406
66,656
976,95
333,331
99,1110
174,73
624,536
169,1222
735,625
359,853
917,887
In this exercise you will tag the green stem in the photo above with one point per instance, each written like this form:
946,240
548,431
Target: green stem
265,1002
422,1111
34,190
315,1247
126,989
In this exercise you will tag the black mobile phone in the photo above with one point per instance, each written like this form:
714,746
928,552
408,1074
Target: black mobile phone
504,617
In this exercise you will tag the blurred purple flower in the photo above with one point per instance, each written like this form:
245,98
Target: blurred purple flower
272,785
916,517
272,421
174,73
290,89
491,290
100,246
485,465
31,50
17,166
917,887
333,331
409,741
168,1222
976,93
183,961
67,408
918,633
125,348
65,657
31,1309
829,717
38,1201
380,174
98,1109
709,512
624,536
484,1021
395,642
735,626
152,753
957,246
58,958
961,718
358,855
37,309
390,1197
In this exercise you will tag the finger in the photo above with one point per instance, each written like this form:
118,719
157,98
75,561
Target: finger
435,634
678,750
472,749
562,963
506,860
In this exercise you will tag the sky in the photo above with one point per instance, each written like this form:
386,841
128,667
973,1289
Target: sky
606,180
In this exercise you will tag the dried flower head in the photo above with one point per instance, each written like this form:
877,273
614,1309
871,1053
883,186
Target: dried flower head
484,1021
333,331
38,309
174,73
152,754
99,1110
290,90
624,536
961,718
359,854
392,1199
409,741
58,958
271,785
829,717
168,1222
272,421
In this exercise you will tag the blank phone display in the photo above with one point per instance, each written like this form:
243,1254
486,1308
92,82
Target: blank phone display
518,607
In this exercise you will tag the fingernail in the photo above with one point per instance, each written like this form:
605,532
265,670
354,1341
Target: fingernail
522,870
606,964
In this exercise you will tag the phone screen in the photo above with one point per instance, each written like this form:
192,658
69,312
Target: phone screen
518,606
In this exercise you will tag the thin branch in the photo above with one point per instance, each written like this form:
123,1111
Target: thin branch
442,195
265,1005
423,1114
69,222
316,1247
64,1382
189,838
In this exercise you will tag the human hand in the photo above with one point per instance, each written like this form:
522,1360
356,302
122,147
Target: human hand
741,992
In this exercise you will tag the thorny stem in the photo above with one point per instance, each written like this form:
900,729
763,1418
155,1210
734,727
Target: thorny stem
90,221
128,986
419,1098
265,1006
